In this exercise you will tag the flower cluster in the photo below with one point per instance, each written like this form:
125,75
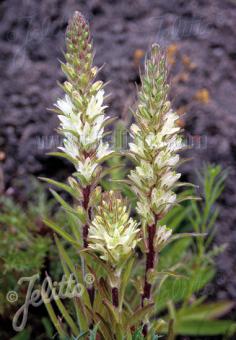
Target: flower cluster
81,111
156,142
113,234
109,234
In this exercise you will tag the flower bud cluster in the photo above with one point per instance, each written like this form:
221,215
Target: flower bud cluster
112,233
156,141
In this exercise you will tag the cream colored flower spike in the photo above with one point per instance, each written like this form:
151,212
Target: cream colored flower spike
113,233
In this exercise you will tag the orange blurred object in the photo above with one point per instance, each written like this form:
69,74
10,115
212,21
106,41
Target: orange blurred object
2,156
171,53
138,55
188,63
202,96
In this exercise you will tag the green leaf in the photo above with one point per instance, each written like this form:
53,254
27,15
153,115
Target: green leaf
61,232
206,311
152,276
87,252
62,155
48,327
52,314
138,335
65,258
173,254
183,235
82,335
125,279
93,333
23,335
79,213
181,289
64,312
62,186
140,314
114,312
204,327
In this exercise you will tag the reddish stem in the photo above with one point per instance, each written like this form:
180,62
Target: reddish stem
115,296
86,194
150,262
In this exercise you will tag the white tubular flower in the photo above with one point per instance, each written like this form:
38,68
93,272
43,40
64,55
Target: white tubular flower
169,179
165,159
103,150
95,107
71,123
86,169
70,146
155,144
169,126
145,171
65,105
112,233
163,235
162,200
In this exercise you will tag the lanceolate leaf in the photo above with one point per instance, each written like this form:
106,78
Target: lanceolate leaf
88,253
183,235
139,315
61,232
78,213
125,279
179,290
114,312
62,186
66,260
206,311
205,327
52,314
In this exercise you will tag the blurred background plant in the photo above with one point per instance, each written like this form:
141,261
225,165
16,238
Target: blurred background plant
25,250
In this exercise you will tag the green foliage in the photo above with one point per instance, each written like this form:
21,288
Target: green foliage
203,216
25,248
180,281
181,277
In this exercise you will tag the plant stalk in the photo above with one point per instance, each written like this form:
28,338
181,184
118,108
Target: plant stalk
150,265
86,195
115,297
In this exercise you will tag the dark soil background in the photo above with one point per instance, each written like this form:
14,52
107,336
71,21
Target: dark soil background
199,36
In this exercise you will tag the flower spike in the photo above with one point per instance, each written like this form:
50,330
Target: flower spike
113,234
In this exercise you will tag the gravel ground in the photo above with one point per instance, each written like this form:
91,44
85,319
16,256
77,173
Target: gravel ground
200,40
